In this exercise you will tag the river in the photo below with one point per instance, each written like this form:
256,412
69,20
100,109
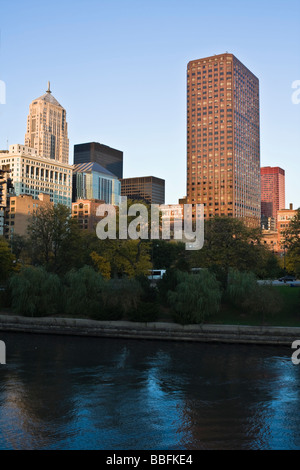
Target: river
64,392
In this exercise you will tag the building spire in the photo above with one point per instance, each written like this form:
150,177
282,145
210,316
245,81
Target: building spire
48,91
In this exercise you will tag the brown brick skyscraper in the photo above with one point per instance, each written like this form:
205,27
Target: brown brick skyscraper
223,138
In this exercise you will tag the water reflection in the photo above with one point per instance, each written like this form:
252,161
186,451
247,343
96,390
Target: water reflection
92,393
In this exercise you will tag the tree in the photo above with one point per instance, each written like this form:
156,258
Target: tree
101,264
166,254
126,257
229,243
82,292
54,238
196,297
35,292
292,243
7,260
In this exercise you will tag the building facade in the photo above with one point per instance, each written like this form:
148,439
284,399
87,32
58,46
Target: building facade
33,175
147,188
92,181
47,128
272,193
107,157
19,212
85,211
223,138
284,217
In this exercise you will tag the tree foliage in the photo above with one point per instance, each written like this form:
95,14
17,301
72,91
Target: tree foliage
196,297
54,238
229,243
7,260
82,292
35,292
292,242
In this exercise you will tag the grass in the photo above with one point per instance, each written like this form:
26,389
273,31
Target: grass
289,315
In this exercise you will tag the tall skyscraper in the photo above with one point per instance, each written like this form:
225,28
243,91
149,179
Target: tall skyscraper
272,192
107,157
223,138
47,128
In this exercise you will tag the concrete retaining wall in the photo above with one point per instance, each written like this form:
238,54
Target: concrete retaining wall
151,331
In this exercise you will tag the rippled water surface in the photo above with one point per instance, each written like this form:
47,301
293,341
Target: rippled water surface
61,392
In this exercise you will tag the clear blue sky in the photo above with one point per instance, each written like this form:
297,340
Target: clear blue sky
119,69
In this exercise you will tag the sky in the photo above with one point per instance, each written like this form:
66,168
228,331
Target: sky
118,67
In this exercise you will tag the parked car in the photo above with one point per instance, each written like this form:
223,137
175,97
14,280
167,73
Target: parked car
288,278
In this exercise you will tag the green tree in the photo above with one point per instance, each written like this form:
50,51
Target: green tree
7,260
166,254
229,243
54,238
35,292
82,292
129,258
240,286
292,243
196,297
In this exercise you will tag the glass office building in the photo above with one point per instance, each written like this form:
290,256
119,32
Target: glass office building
92,181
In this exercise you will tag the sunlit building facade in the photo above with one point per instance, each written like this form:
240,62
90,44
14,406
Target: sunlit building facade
223,138
284,217
272,193
85,212
33,175
47,128
19,212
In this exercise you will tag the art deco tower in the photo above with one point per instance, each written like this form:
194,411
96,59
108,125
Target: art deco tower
223,138
47,129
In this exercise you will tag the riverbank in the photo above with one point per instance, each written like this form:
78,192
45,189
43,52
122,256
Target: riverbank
240,334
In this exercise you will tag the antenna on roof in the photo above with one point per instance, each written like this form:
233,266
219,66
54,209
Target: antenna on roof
48,91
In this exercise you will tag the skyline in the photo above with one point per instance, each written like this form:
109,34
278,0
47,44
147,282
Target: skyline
122,79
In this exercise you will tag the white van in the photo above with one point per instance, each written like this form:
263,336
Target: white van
156,274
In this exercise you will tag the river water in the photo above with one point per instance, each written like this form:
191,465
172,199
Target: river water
59,392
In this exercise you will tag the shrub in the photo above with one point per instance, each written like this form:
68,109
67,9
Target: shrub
240,286
5,297
145,312
35,292
244,292
119,296
196,297
265,300
168,283
149,292
82,293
